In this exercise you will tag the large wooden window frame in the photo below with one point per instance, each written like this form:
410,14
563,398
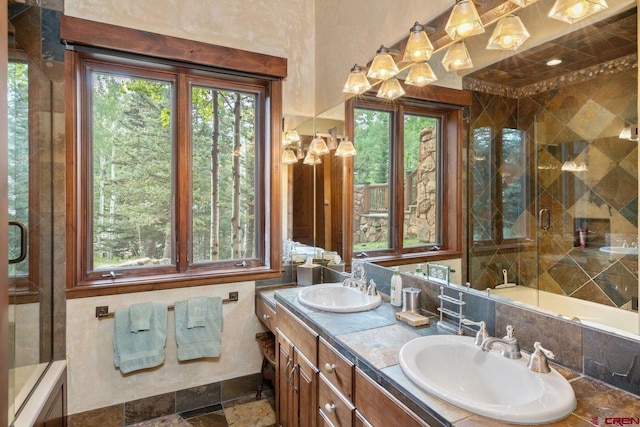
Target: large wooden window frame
448,105
187,62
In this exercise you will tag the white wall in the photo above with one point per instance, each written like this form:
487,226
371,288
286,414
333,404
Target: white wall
94,382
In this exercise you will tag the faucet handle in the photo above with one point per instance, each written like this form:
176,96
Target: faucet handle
509,335
482,333
372,289
538,361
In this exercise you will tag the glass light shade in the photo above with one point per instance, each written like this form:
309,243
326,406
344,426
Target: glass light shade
345,149
390,89
311,159
293,136
357,82
574,10
383,66
457,57
419,47
420,74
523,3
464,21
509,34
318,146
289,157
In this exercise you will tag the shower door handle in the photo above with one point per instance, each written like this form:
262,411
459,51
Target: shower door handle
23,242
544,219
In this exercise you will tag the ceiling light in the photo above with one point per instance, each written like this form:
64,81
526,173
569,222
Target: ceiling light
554,61
419,47
523,3
357,82
345,148
420,74
383,65
574,10
464,21
390,89
318,146
509,34
311,159
457,57
289,157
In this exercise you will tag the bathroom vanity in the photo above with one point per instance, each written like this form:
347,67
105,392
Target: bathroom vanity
341,369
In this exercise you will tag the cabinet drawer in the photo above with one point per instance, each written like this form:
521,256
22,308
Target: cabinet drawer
379,407
333,406
336,369
266,314
303,337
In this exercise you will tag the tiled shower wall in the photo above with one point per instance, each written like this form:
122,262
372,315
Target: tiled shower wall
580,123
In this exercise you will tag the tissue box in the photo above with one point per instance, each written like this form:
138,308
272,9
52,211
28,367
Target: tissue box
309,275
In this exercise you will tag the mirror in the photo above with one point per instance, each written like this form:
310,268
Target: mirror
35,88
522,165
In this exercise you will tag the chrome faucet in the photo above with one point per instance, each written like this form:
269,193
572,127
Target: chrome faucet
482,334
510,347
372,290
358,278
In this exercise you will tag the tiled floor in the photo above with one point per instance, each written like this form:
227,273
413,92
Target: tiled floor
246,412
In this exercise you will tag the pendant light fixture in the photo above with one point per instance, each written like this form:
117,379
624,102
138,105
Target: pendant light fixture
289,157
390,89
311,159
509,34
383,66
318,146
571,11
357,82
457,57
420,74
345,148
464,21
419,47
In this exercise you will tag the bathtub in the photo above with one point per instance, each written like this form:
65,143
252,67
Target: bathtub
610,319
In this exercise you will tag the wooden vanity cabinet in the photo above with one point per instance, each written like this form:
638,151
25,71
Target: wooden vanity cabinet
297,377
265,313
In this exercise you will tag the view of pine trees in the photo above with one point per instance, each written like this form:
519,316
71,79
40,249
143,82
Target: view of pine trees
135,161
18,158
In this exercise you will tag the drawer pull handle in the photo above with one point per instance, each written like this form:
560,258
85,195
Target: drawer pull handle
330,407
330,368
266,317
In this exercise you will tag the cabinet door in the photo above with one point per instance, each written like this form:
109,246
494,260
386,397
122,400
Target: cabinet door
284,384
307,388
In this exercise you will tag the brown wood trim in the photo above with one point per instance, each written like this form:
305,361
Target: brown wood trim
97,34
439,94
273,209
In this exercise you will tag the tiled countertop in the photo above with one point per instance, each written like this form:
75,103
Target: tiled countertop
372,340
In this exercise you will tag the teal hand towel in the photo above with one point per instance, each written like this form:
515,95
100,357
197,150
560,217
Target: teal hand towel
144,349
196,312
201,342
140,316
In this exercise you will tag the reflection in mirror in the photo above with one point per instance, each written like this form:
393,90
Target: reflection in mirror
554,186
35,69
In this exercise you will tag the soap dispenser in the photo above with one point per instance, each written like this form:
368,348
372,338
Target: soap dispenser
396,288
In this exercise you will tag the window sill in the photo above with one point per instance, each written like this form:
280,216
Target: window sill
167,281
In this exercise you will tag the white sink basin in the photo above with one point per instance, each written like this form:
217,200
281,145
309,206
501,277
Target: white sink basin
623,250
337,298
454,369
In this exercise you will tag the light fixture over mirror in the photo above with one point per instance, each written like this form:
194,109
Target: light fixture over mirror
509,34
390,89
357,82
457,57
419,47
420,74
383,66
571,11
464,21
346,148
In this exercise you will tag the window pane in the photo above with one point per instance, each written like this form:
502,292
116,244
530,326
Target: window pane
514,196
481,197
223,130
371,180
18,159
132,180
421,176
